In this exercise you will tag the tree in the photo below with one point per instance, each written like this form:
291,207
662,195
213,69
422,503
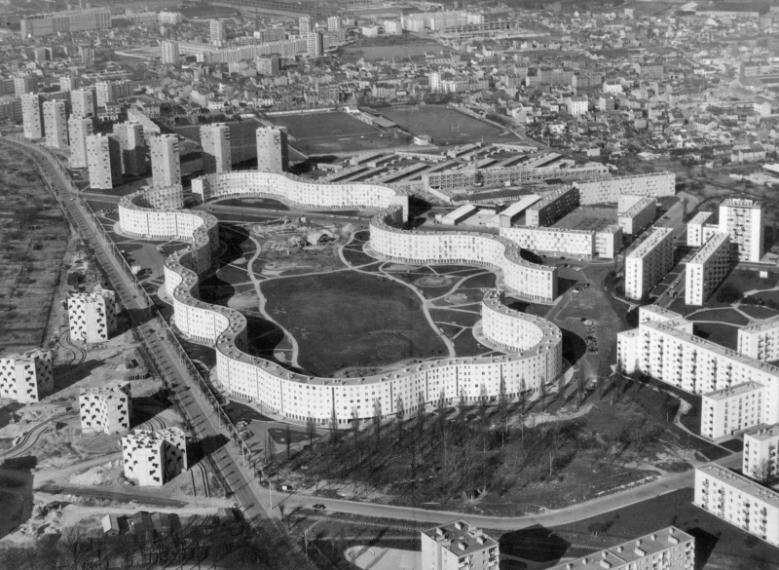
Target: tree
288,440
310,430
377,422
356,432
333,428
400,413
420,414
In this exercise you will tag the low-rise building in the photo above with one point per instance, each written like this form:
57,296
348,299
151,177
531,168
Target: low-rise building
106,409
666,549
26,377
459,546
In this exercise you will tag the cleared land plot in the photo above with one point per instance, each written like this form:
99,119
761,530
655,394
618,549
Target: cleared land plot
348,319
718,545
34,237
331,132
444,125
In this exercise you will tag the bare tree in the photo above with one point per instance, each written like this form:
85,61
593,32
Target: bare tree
400,413
310,430
377,422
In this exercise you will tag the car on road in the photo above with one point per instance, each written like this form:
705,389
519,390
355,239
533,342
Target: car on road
320,507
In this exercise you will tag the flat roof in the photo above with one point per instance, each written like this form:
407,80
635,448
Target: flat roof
622,554
740,482
764,432
711,246
460,537
655,237
700,218
730,391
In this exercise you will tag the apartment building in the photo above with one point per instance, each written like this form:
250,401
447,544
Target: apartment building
132,147
79,128
707,269
760,339
104,161
26,377
553,241
760,457
738,500
92,316
742,220
152,458
83,102
32,116
106,409
666,549
458,546
737,392
635,213
217,153
165,160
169,52
608,190
552,206
66,22
55,121
272,150
648,262
695,237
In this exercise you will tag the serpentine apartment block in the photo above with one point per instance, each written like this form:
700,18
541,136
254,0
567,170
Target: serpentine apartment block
533,345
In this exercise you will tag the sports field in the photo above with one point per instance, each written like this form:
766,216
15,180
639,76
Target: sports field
444,125
333,132
350,319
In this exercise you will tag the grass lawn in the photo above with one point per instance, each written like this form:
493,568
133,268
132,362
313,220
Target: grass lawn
725,335
719,546
758,312
725,316
446,126
336,131
350,319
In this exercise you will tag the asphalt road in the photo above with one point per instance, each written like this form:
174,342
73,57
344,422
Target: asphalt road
150,328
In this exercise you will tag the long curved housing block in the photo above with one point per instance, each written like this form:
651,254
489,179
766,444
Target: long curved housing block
533,344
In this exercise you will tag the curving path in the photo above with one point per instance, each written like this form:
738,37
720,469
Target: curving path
26,441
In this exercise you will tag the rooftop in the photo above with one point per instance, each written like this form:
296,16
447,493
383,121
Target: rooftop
764,432
630,551
655,237
712,245
460,537
700,218
739,482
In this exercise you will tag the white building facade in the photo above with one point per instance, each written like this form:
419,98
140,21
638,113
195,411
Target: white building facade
152,458
760,457
104,162
648,262
92,316
707,269
165,160
55,121
742,220
458,546
272,149
26,377
217,154
106,409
